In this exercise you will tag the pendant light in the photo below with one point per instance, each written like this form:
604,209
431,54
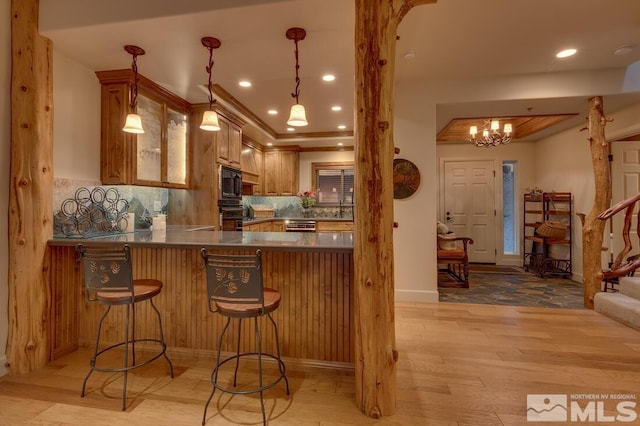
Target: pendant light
298,116
133,123
210,118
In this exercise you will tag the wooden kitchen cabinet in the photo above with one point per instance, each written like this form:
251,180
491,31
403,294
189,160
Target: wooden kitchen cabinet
267,226
334,226
252,163
280,172
229,141
158,157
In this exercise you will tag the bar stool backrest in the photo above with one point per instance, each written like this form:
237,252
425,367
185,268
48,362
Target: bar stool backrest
235,279
106,270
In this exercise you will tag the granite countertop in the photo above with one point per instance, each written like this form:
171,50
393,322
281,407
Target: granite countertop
282,219
179,236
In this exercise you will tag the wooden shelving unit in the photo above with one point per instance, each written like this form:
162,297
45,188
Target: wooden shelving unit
544,255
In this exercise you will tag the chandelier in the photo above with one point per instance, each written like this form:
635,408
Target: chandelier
491,135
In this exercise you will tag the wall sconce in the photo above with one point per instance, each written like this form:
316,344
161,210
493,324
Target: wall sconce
210,118
133,123
298,116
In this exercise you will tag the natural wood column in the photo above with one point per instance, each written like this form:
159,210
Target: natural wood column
31,183
593,228
375,343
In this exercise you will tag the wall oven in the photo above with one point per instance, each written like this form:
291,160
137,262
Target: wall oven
230,199
230,183
230,218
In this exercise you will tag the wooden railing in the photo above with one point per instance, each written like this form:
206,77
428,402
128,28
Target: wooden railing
623,265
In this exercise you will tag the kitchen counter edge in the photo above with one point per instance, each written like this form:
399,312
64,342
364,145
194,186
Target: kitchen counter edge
198,236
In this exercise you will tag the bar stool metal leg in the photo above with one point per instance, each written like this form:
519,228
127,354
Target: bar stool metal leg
126,359
235,374
280,363
259,347
164,345
214,373
92,363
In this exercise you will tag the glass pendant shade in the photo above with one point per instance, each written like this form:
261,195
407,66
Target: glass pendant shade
298,116
133,124
210,121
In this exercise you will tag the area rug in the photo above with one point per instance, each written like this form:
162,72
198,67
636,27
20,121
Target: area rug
494,269
517,289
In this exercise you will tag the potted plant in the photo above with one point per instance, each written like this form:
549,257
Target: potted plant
307,200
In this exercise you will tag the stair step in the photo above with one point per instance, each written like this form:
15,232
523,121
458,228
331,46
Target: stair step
620,307
630,286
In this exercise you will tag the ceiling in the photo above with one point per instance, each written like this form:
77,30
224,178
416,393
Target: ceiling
453,39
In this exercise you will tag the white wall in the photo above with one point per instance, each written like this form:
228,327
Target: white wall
5,143
414,239
306,158
76,120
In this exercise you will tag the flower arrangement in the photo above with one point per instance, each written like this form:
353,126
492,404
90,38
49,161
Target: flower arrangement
307,199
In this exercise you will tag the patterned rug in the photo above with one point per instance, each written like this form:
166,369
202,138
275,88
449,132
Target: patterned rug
517,289
494,269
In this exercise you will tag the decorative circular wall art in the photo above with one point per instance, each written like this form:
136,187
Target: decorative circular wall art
406,178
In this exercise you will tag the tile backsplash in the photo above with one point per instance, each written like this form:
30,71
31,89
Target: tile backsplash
284,206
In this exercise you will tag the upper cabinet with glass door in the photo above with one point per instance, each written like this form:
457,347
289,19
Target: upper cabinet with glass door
157,157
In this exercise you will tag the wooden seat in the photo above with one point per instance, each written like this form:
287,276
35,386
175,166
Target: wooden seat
108,278
235,290
456,259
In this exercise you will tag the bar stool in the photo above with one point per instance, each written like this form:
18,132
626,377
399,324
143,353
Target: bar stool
235,290
108,279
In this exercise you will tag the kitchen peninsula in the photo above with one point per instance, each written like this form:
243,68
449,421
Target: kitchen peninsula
313,272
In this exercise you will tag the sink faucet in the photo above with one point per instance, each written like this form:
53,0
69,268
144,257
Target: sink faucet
340,204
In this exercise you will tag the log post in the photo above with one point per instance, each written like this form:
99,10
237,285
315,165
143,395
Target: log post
30,192
592,227
375,344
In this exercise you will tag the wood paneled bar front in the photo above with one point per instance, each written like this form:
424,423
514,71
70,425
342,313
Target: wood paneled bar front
313,272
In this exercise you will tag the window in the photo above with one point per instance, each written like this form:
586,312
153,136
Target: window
333,183
510,242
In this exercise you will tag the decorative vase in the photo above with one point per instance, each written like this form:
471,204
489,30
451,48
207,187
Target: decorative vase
306,212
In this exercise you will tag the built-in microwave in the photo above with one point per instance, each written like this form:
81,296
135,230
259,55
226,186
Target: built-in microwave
230,183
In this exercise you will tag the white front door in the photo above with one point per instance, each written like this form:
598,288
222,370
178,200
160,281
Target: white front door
625,183
469,205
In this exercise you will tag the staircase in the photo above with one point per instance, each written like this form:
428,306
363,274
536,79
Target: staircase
623,306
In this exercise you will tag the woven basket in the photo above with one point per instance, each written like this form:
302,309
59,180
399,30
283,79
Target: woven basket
552,229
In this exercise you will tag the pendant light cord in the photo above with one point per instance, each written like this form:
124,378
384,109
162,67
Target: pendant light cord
134,67
209,68
297,91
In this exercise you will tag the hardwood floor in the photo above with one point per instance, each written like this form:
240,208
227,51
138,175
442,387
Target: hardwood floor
460,364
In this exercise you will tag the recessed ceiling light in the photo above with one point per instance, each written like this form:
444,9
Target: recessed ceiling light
340,144
328,77
269,144
342,127
409,54
336,108
272,112
244,83
624,50
566,53
290,129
